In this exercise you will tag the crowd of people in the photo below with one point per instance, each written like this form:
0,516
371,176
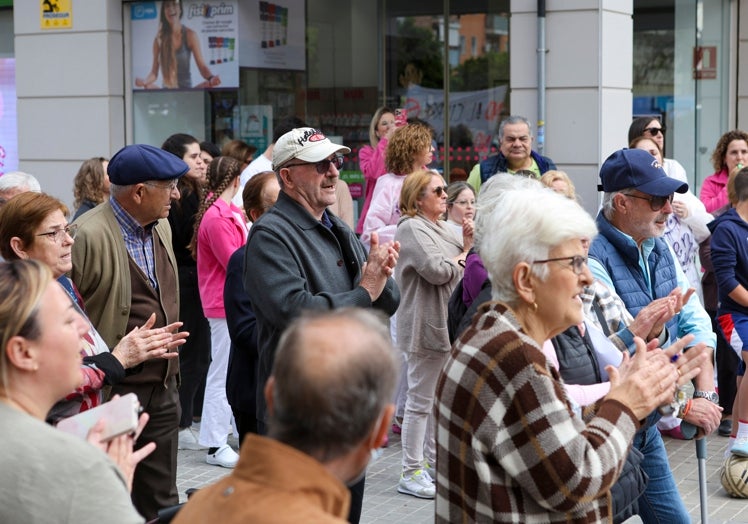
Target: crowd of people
528,354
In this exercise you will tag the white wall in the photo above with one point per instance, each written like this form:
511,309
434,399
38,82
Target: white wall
588,82
70,91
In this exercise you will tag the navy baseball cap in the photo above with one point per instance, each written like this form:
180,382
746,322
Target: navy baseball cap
638,169
140,162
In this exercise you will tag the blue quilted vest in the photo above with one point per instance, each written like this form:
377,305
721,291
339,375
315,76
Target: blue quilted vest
620,258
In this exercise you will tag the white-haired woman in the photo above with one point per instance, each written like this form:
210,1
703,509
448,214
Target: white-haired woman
511,445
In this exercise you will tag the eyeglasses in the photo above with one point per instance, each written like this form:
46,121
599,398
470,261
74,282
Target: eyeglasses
654,131
171,186
464,203
58,235
655,202
323,166
576,263
439,190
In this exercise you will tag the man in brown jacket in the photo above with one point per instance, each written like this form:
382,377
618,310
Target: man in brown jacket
329,406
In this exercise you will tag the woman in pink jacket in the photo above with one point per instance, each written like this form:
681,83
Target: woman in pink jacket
731,150
371,158
219,231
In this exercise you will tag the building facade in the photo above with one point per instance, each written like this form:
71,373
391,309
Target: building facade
82,88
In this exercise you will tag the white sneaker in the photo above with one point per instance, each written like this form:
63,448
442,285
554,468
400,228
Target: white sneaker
224,457
430,472
188,440
418,484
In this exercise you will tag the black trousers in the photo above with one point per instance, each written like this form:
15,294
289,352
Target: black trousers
727,365
155,483
194,354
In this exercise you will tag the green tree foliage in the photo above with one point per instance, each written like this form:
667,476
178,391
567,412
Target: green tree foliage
419,46
482,72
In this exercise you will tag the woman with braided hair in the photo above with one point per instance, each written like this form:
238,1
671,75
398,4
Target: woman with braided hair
219,231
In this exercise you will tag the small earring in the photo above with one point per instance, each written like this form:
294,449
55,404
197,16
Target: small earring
534,307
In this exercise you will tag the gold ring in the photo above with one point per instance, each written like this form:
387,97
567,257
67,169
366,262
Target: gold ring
679,373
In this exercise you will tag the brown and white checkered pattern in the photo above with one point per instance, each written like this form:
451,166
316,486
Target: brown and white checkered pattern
509,446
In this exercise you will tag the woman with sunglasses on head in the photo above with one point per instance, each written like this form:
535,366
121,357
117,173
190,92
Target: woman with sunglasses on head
34,226
429,268
219,231
730,153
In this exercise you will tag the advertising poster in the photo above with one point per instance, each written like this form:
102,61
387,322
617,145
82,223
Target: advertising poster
56,14
184,45
8,117
275,34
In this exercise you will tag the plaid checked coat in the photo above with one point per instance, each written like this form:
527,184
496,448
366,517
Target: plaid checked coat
510,445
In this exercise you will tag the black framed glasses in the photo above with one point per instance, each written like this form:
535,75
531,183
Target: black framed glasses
58,235
654,131
655,202
323,166
576,263
439,190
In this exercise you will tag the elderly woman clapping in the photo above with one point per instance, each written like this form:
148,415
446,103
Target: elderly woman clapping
34,226
511,445
47,475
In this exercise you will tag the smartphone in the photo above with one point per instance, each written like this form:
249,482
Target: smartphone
121,416
401,117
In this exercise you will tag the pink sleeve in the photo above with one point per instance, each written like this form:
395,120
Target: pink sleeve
371,161
582,395
712,194
222,236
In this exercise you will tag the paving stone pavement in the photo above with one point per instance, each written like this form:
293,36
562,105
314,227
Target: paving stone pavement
383,505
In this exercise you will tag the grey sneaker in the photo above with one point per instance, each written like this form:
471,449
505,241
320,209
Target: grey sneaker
418,485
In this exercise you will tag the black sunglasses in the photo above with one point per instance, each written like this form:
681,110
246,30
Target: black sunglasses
439,190
654,131
655,202
323,166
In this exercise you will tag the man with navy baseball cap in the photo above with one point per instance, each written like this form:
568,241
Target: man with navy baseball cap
125,270
629,256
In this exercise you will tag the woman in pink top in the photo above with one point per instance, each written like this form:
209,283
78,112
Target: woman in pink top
219,231
409,150
371,158
731,150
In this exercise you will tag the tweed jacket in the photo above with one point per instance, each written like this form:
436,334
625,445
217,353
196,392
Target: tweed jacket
510,445
426,276
101,271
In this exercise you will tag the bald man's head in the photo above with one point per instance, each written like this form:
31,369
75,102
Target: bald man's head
333,375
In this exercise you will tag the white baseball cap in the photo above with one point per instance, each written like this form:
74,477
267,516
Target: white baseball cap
305,143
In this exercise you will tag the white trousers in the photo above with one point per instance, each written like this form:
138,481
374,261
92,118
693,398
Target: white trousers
217,417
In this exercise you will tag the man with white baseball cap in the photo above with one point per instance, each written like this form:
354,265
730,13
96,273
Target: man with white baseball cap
300,256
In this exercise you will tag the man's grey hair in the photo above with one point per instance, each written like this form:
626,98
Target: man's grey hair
334,374
607,206
513,119
19,179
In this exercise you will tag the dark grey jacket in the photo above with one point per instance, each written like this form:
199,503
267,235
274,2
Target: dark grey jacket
292,262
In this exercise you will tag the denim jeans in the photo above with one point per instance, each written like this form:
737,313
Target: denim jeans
661,502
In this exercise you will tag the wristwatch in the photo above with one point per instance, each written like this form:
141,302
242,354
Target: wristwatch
709,395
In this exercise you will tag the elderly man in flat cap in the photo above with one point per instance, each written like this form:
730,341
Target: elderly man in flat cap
125,270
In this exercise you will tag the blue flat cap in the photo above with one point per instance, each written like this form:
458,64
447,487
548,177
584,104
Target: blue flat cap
140,162
636,168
